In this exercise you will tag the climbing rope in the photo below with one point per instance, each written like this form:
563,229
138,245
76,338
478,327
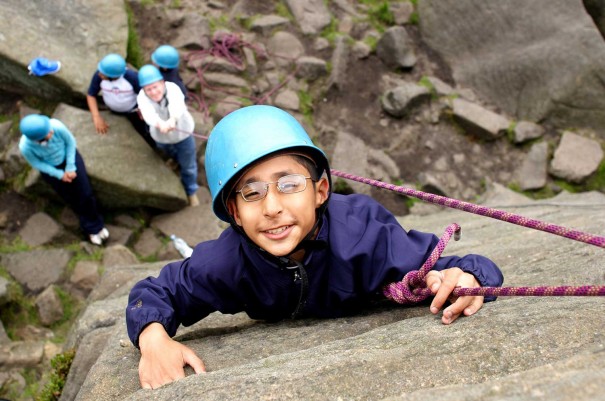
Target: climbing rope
413,289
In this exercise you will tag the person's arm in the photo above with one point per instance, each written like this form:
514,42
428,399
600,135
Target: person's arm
70,144
148,113
39,163
157,306
91,99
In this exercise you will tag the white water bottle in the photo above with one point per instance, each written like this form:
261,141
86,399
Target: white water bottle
181,246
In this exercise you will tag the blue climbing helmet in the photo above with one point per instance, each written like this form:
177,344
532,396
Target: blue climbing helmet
246,136
149,74
112,66
166,56
35,126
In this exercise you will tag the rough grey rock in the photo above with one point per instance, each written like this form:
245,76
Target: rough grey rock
267,23
287,99
124,171
312,15
21,354
148,243
393,352
479,121
526,130
193,34
350,154
118,255
36,269
48,304
400,101
395,48
576,157
38,29
310,68
516,55
533,171
284,48
86,355
4,291
85,275
39,229
340,58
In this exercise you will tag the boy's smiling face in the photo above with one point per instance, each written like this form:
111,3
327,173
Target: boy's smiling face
280,221
155,90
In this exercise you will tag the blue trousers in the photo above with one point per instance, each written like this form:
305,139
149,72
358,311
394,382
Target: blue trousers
78,196
184,154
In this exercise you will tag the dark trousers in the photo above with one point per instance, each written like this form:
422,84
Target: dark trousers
78,196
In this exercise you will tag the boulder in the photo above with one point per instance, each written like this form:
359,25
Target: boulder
123,169
523,56
78,34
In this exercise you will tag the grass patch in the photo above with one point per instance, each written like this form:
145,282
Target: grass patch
342,187
379,14
19,312
306,106
331,32
134,53
60,364
17,245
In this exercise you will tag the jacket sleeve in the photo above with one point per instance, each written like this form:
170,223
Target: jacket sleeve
392,252
149,114
186,291
38,163
70,144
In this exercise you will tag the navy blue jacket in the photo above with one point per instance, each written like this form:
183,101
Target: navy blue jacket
360,247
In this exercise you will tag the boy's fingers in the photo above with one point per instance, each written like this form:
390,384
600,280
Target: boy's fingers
445,289
195,362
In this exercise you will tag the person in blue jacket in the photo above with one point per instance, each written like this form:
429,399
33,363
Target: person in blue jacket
49,146
167,59
118,87
293,249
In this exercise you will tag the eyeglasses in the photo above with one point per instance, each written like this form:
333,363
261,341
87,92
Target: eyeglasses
288,184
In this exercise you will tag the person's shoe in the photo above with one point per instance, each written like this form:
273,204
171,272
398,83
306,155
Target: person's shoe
193,200
98,238
104,233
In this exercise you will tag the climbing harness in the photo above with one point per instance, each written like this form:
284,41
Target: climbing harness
412,288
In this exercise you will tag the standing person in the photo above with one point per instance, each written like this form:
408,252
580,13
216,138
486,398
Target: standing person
49,146
163,107
119,87
167,58
293,249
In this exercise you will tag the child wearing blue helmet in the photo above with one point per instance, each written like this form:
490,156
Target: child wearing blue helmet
118,87
49,146
167,59
163,107
293,248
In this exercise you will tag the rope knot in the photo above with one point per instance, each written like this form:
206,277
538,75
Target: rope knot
412,289
408,290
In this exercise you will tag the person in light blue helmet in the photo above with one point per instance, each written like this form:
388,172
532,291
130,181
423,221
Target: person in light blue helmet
49,146
162,105
167,59
293,249
118,87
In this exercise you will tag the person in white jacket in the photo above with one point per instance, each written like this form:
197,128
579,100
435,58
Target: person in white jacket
162,105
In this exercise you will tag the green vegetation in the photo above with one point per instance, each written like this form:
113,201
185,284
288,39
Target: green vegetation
282,10
19,311
306,106
331,32
380,15
60,368
218,23
342,187
175,4
134,52
426,82
16,246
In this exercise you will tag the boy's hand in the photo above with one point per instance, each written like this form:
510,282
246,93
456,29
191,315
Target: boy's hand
163,359
442,283
100,125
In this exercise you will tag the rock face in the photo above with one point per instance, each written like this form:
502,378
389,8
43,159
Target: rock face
517,55
80,33
550,345
123,169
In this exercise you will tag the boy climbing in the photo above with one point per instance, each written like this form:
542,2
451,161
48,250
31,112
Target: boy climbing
293,249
